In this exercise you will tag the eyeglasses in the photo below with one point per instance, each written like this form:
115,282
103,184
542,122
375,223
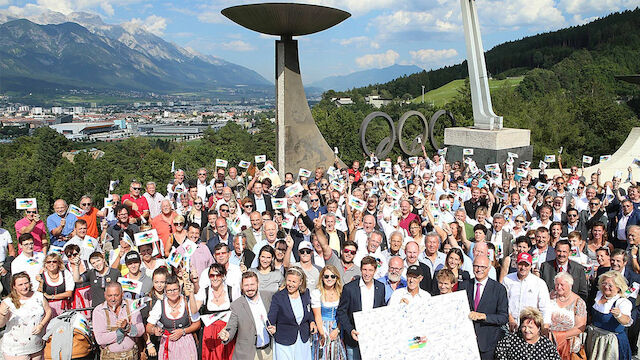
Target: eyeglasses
480,267
347,251
305,251
215,275
221,253
202,174
327,276
51,262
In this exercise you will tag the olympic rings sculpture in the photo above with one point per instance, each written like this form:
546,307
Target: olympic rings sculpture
386,145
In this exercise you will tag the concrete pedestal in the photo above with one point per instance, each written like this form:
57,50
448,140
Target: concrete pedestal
489,146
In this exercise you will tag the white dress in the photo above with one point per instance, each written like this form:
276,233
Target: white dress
17,339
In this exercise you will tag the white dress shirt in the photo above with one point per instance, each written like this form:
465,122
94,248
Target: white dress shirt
531,291
621,231
367,295
420,298
259,314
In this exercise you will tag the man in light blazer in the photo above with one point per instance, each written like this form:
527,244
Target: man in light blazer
489,307
248,322
360,294
498,234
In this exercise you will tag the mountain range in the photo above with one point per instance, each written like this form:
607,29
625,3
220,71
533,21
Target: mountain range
80,51
365,77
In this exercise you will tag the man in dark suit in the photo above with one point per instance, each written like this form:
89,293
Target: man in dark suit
573,223
620,263
489,307
550,269
222,235
625,218
260,200
359,295
252,338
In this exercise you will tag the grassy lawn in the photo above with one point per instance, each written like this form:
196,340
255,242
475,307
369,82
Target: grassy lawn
447,92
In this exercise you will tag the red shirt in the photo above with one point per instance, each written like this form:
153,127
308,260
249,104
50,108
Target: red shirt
405,222
141,202
355,173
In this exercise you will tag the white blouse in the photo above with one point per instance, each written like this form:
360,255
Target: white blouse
623,304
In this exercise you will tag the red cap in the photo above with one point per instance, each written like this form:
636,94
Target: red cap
526,257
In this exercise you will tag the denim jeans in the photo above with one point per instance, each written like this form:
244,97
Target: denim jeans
353,353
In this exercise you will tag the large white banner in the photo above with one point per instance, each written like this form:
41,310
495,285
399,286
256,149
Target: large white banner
439,330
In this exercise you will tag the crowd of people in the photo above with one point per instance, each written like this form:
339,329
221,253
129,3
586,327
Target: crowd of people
264,267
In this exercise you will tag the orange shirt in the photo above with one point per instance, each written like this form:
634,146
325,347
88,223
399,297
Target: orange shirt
92,222
164,228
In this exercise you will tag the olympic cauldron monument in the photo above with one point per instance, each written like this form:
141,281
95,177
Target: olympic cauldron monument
299,143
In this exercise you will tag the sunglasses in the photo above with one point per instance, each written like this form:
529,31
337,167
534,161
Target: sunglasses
136,188
197,203
85,204
52,262
352,252
315,200
327,276
178,224
31,212
520,221
594,204
215,275
224,210
281,249
305,251
74,254
248,206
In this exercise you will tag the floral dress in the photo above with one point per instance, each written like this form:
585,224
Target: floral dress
17,339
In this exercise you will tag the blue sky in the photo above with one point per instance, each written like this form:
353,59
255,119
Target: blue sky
379,33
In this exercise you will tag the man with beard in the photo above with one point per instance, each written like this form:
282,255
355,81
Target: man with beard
393,280
344,264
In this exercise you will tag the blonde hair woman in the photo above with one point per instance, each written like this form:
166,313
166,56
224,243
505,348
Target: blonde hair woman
611,313
327,344
56,284
26,314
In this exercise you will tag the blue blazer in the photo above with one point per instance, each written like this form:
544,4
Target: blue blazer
495,305
634,219
282,317
350,302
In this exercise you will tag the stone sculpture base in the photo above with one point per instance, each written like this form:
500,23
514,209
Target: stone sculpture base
489,146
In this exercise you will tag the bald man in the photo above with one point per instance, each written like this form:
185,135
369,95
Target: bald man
270,237
254,234
222,236
489,306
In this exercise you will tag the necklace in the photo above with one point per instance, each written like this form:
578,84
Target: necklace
174,307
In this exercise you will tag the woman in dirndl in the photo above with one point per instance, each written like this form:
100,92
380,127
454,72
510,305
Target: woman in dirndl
327,343
171,320
214,302
56,284
81,293
611,314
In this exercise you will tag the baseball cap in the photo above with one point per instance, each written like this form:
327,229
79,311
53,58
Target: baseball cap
132,256
525,257
414,270
305,245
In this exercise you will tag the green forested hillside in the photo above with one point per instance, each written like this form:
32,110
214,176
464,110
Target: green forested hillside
568,96
617,34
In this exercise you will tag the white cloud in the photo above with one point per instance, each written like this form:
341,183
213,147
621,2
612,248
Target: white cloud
64,6
153,24
430,56
403,21
600,6
385,59
212,17
4,2
237,45
540,14
357,41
